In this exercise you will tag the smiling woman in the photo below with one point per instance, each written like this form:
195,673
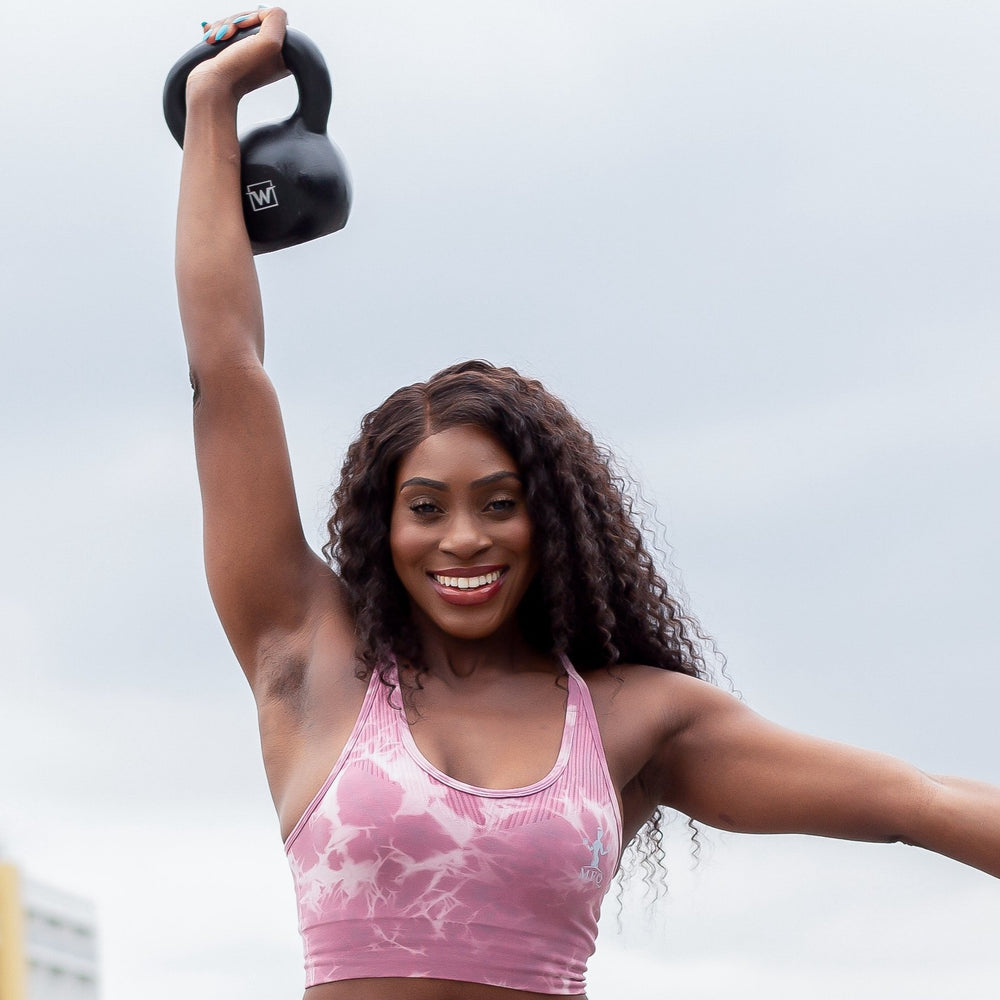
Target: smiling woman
460,534
486,690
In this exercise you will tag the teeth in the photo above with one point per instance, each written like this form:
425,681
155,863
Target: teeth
467,582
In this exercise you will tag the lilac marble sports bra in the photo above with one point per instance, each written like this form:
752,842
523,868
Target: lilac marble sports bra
400,870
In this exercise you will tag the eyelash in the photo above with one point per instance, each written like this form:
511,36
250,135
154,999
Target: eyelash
424,507
499,505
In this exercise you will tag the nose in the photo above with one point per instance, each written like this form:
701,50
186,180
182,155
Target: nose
465,536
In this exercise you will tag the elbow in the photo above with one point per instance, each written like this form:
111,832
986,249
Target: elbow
918,803
212,373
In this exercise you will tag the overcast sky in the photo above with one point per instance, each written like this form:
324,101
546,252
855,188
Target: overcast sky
755,246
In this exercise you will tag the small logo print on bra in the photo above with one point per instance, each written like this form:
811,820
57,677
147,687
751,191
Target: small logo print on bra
591,872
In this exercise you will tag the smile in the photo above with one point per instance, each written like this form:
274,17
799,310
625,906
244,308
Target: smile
467,582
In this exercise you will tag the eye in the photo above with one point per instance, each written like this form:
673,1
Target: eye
424,508
501,505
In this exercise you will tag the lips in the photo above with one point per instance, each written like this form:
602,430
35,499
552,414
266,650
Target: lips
467,582
468,586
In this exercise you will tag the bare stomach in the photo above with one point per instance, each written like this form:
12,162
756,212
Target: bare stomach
419,989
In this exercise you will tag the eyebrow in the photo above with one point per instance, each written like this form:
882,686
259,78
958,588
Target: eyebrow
434,484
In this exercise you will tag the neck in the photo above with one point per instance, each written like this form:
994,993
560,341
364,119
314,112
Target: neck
452,659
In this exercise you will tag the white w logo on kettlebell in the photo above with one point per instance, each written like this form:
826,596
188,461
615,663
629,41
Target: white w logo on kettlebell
262,195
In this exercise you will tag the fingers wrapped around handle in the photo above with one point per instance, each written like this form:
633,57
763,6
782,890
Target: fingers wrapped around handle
237,55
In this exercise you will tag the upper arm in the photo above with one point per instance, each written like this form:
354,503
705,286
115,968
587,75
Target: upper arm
264,579
728,767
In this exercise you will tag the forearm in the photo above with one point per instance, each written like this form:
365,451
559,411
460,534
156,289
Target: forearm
217,287
961,820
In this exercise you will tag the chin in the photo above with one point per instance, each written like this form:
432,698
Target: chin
464,627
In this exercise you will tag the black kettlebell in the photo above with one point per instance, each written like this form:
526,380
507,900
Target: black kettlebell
293,179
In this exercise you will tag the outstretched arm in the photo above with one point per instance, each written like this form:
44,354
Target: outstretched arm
724,765
267,585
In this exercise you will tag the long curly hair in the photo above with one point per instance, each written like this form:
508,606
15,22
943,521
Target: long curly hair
597,597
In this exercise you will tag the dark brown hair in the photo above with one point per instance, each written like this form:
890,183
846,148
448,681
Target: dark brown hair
597,597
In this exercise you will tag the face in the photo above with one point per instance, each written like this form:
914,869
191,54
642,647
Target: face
460,533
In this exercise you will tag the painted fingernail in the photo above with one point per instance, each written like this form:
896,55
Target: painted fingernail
220,34
204,24
207,35
240,20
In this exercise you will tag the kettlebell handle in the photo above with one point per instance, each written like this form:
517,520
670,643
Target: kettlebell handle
301,56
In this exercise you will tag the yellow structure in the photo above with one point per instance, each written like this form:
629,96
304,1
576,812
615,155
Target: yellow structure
48,942
13,967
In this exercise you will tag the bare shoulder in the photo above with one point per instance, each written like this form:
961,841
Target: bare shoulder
627,694
640,709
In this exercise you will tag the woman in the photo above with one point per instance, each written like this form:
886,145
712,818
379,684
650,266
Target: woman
465,724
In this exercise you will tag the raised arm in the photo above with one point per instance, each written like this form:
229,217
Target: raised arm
269,588
724,765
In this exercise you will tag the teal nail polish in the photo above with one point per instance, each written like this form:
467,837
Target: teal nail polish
204,24
240,20
219,34
206,36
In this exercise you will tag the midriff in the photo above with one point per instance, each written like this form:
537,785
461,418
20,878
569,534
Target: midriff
419,989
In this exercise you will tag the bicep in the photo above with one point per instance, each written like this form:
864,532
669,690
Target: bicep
732,769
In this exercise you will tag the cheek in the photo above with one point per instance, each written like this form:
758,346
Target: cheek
528,535
525,541
404,546
397,542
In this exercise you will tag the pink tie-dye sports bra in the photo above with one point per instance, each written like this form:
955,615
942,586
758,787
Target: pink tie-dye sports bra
400,870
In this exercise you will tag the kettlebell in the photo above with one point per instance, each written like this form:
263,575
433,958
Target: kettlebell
294,181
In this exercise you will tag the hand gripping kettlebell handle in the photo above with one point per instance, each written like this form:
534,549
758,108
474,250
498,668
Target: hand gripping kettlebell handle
303,59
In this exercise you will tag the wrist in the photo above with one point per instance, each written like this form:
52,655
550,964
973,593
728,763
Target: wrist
209,91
